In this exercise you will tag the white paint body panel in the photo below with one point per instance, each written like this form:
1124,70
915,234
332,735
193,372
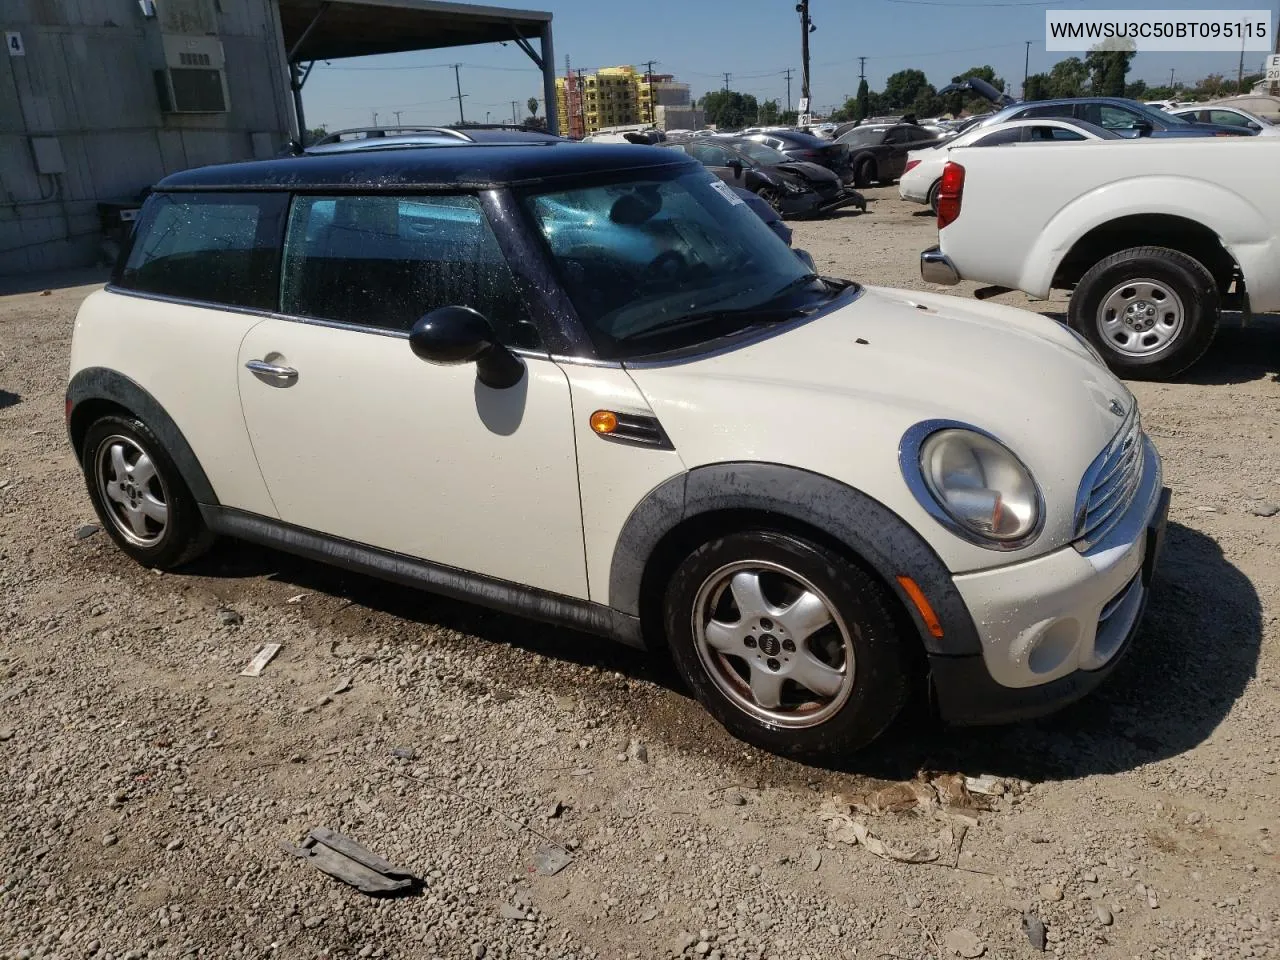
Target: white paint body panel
916,183
376,446
185,357
614,477
814,398
1023,210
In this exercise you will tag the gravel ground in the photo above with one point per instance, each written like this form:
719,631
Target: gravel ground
148,786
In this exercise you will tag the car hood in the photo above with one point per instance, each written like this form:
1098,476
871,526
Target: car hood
835,395
809,171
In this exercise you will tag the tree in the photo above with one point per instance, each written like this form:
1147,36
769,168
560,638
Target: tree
1107,70
769,113
788,118
863,108
1039,87
729,110
314,134
902,88
532,103
1067,78
536,123
1136,90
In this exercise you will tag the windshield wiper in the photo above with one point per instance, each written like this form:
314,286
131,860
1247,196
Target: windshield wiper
758,314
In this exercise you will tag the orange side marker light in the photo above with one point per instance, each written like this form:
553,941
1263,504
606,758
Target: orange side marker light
922,604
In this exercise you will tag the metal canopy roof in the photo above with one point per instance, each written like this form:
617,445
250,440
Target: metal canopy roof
332,29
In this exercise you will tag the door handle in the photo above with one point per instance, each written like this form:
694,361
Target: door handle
272,373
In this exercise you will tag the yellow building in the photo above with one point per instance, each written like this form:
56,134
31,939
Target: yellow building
609,97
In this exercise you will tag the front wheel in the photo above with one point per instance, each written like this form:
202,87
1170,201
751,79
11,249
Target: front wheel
772,196
787,644
1151,312
864,173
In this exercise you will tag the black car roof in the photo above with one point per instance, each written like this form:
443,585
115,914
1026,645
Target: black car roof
452,166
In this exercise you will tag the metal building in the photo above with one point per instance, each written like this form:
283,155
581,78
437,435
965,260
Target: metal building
99,99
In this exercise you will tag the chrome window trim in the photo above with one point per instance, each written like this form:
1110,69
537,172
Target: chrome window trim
913,474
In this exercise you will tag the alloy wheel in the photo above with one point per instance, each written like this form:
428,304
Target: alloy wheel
132,490
773,644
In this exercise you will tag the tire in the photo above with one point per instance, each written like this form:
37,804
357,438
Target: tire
147,511
772,196
933,196
864,173
741,657
1150,311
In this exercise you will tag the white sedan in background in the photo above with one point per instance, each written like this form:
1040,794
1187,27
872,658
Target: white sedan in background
1229,116
921,179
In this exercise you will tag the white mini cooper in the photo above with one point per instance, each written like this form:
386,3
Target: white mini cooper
588,384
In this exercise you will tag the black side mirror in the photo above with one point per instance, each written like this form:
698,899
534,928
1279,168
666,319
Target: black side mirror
735,166
452,335
1143,128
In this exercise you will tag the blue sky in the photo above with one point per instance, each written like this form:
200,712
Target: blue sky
754,40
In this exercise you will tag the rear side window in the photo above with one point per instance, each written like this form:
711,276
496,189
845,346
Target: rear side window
1034,113
1000,137
380,261
220,248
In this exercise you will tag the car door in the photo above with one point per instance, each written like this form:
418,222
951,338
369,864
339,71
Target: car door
358,438
723,163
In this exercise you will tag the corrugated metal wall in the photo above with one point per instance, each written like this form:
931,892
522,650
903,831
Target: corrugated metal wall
87,79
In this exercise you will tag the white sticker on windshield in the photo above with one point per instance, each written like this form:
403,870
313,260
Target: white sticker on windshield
726,191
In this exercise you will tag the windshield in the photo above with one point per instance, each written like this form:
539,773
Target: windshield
669,262
760,153
1161,116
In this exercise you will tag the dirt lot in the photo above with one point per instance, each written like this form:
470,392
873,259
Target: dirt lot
147,785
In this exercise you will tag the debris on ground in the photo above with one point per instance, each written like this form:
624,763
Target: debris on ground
986,784
261,659
229,618
404,753
87,531
550,860
297,598
343,859
1266,510
638,752
964,943
1034,929
343,686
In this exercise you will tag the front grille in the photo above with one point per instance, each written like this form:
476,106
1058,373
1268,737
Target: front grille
1110,483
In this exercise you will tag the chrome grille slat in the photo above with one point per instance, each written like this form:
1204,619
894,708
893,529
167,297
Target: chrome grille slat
1110,484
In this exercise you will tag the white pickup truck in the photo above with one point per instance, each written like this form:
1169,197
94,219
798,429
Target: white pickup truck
1153,237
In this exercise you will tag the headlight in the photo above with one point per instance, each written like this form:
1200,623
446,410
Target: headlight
972,483
790,187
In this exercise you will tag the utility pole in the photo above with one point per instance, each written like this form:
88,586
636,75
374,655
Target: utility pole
457,82
788,72
1240,74
806,28
1026,69
397,113
862,68
1172,71
1274,89
726,82
375,118
648,79
514,121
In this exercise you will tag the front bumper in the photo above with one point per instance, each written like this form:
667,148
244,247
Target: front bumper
815,205
936,267
1054,628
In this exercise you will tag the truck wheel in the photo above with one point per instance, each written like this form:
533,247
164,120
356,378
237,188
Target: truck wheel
864,173
786,643
1151,311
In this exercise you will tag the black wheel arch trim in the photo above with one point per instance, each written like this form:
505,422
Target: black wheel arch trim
104,384
878,536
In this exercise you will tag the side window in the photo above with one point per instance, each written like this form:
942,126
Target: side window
1000,137
1110,117
1035,113
222,248
382,261
710,156
895,136
1038,134
1228,117
919,134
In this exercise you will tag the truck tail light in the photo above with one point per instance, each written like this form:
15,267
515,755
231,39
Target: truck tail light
950,192
911,165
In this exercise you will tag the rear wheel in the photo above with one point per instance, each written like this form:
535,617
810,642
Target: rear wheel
1151,312
139,495
933,196
864,173
789,645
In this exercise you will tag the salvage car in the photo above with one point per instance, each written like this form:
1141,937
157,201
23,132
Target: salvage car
879,154
1227,116
795,188
1128,118
923,176
797,145
396,362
